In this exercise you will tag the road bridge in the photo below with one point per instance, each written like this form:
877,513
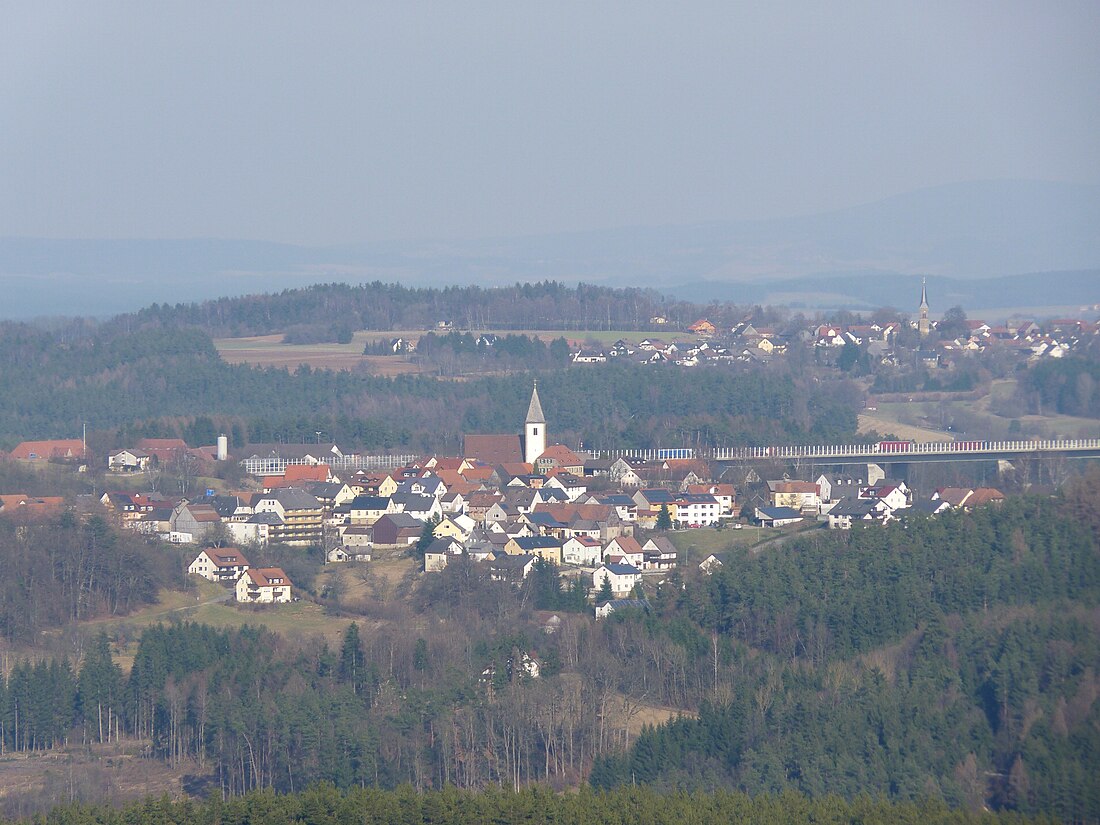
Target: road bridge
883,452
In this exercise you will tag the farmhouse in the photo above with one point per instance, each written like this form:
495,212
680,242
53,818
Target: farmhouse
263,585
219,564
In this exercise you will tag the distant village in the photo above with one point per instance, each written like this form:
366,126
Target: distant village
509,501
923,342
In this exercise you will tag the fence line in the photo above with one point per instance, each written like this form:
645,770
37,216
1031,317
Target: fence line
884,449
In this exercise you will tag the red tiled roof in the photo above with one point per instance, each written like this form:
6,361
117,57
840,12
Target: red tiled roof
493,449
562,455
985,495
226,557
306,472
57,448
263,576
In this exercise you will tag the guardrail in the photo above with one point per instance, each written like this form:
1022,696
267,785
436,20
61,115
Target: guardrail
889,449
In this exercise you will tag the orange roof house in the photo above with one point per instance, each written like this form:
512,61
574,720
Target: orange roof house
164,450
45,450
558,455
20,504
703,327
478,474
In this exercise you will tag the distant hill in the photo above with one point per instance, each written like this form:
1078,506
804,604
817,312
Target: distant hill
863,291
960,232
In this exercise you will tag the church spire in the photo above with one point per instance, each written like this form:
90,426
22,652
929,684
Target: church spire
924,326
534,411
534,429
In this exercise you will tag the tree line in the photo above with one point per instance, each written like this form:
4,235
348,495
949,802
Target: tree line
328,311
536,805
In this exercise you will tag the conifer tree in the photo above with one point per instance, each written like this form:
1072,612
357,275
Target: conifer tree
664,519
605,593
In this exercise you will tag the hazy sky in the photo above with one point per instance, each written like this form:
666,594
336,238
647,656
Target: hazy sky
359,121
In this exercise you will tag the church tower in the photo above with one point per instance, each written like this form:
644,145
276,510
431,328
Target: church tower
923,325
534,429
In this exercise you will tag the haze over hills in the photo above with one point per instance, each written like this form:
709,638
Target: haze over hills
857,258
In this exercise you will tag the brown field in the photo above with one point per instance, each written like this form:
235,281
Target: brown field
38,781
369,585
871,423
270,351
213,604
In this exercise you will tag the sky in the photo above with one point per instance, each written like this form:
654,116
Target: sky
360,122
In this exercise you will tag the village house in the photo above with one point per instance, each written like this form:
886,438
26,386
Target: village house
513,569
192,522
804,496
894,495
301,516
439,551
847,512
419,506
397,529
622,577
581,550
703,327
457,527
965,498
697,510
366,510
571,485
543,547
255,529
559,457
219,564
57,449
660,554
356,538
129,461
724,494
624,550
30,508
777,516
263,585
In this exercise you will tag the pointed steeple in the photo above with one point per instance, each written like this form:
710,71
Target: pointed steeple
924,326
534,411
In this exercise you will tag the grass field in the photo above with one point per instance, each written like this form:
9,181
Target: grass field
695,545
270,351
213,604
979,418
884,423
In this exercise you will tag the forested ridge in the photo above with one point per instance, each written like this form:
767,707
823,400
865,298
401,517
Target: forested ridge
537,806
156,380
954,658
328,311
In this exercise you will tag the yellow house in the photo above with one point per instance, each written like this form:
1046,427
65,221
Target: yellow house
544,547
454,527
